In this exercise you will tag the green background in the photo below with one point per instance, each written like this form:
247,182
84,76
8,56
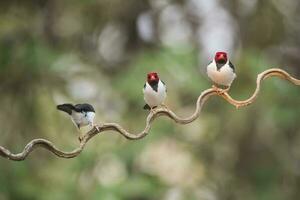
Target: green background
94,51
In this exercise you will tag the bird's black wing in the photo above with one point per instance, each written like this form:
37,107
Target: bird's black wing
164,85
85,107
231,66
67,107
207,66
144,85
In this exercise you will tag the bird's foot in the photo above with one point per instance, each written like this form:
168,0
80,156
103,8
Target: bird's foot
152,110
97,127
220,91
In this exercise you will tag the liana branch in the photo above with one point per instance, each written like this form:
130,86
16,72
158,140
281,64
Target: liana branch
204,96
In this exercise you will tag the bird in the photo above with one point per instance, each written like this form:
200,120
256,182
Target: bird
155,91
221,71
81,114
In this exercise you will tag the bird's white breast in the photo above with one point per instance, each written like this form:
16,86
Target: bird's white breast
83,118
224,76
153,98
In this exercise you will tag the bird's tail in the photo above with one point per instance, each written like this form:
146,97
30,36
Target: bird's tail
67,107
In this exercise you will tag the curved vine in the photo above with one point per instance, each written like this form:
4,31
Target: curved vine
204,96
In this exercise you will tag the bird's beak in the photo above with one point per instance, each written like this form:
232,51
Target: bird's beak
221,59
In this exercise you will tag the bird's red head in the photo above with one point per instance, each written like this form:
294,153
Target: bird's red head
221,57
152,77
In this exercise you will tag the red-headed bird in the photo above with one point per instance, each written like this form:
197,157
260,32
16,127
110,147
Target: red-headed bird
155,91
221,71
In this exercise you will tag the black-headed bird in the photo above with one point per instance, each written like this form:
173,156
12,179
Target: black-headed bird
81,114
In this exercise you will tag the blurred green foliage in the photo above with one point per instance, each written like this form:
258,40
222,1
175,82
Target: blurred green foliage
93,51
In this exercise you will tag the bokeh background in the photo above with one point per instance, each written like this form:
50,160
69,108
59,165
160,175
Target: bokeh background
99,51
